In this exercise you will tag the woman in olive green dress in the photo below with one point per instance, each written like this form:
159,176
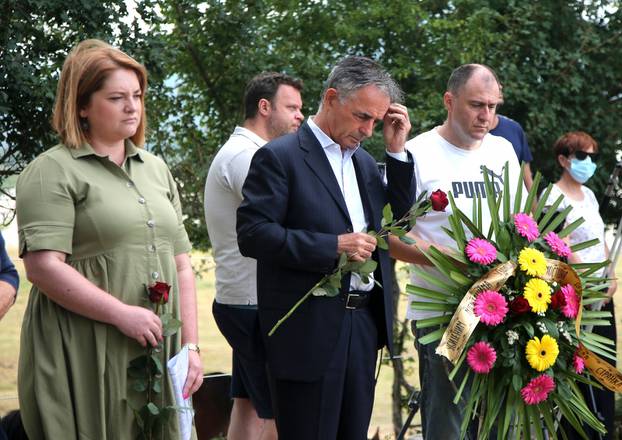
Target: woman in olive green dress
99,219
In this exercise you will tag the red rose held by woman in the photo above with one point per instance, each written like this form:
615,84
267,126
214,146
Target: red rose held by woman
439,200
158,292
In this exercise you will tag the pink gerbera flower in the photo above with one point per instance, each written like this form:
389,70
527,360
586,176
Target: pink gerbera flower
491,307
526,226
578,364
571,306
538,389
557,245
481,357
481,251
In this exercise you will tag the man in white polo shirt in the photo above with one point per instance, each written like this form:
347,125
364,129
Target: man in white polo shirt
273,107
452,158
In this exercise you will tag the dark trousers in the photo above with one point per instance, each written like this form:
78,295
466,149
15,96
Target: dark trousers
600,402
438,392
339,405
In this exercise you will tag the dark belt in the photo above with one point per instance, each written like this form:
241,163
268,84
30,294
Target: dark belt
357,299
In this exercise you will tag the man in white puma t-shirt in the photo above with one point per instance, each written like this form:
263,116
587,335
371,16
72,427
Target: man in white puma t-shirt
452,158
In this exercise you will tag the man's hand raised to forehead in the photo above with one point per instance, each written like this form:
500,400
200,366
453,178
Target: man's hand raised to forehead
396,127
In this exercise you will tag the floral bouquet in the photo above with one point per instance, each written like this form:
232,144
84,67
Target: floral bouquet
514,310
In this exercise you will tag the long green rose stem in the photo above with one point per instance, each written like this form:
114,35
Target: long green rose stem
384,231
149,433
300,301
150,351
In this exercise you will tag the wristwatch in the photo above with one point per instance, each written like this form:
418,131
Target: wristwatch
193,347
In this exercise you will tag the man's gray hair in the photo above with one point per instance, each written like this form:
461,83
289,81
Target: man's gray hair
462,74
353,73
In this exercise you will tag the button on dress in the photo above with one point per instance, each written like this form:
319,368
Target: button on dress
118,226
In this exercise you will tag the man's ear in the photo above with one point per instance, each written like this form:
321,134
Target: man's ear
330,97
448,100
264,107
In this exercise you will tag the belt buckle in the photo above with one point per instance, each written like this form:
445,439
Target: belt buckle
351,295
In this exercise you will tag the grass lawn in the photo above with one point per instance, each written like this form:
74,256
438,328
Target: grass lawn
216,354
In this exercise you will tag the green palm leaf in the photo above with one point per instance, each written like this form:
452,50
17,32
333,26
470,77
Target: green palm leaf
571,227
544,197
584,245
519,191
531,195
506,192
551,211
556,221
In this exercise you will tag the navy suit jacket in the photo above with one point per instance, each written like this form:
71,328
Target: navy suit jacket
292,213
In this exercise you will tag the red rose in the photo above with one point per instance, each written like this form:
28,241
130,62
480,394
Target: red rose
158,292
439,200
557,300
520,305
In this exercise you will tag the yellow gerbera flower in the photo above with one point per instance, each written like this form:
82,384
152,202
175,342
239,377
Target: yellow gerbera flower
541,354
538,294
532,261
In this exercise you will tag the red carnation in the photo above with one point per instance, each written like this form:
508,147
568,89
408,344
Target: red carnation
439,200
520,305
557,300
158,292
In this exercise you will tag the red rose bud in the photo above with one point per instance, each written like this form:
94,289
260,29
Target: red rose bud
557,300
520,305
439,200
158,292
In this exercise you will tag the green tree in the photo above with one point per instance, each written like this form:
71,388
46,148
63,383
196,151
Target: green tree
561,65
35,37
559,62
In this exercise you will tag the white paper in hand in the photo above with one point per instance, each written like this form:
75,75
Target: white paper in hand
178,371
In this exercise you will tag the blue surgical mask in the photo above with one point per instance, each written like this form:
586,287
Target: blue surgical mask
582,170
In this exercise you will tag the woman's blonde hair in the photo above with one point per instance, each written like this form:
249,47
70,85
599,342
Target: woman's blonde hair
86,68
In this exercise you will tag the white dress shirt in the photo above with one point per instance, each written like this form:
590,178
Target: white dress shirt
343,168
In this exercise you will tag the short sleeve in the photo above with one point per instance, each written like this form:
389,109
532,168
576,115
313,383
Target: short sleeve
526,155
553,195
592,198
45,207
181,242
237,170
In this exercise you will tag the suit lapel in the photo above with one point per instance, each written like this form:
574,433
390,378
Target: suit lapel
318,162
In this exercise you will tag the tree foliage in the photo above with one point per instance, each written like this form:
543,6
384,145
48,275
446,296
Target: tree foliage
35,37
559,61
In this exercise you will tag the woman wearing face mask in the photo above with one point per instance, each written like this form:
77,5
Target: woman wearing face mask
576,152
